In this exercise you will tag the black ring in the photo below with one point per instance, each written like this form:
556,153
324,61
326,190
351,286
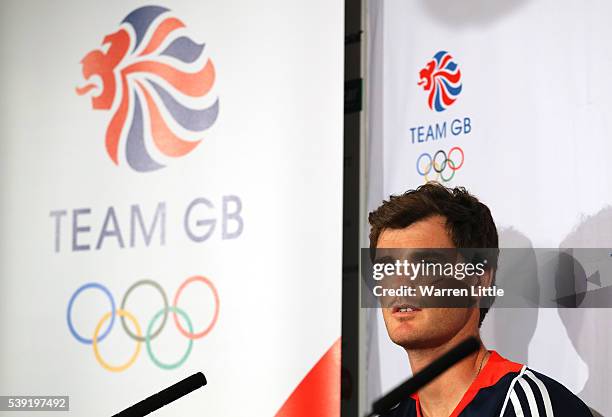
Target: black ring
444,163
163,323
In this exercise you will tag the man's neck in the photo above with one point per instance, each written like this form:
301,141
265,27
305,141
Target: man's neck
440,397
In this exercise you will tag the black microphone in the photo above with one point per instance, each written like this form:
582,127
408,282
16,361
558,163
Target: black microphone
165,396
418,381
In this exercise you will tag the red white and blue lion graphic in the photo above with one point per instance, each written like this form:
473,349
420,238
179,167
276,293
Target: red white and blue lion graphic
442,79
156,81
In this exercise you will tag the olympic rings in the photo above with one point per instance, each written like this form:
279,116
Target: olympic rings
151,331
440,167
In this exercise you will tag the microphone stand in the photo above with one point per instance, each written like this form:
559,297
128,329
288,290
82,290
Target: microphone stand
165,396
418,381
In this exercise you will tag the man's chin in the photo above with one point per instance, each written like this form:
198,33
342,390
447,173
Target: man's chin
414,342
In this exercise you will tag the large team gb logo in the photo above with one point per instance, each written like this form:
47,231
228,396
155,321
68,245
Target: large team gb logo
442,79
156,82
138,333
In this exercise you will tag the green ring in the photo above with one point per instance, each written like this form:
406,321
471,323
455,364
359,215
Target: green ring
148,338
450,162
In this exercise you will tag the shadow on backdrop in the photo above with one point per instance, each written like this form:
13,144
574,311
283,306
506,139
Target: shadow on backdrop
511,329
589,328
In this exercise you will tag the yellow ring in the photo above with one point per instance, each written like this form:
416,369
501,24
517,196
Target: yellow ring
429,168
105,365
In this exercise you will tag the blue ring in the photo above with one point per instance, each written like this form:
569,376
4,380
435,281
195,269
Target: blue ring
69,311
430,164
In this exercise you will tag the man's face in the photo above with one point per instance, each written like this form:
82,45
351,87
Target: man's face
428,327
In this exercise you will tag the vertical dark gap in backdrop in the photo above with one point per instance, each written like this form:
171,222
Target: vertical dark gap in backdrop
350,237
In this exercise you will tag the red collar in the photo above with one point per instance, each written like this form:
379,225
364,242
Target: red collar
495,369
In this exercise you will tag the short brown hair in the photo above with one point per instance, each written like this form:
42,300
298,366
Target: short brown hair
468,221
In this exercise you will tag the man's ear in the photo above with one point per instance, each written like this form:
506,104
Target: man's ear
488,278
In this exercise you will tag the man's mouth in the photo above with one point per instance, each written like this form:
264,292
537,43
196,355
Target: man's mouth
402,309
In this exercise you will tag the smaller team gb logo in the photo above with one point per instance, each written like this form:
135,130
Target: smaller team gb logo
442,79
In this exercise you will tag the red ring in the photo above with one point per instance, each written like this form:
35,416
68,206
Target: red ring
204,332
462,157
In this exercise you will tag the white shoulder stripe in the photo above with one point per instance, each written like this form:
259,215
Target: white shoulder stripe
518,410
508,395
544,392
533,405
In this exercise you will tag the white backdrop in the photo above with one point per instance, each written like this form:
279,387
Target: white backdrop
534,79
268,172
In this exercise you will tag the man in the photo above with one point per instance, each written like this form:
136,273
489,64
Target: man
484,384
